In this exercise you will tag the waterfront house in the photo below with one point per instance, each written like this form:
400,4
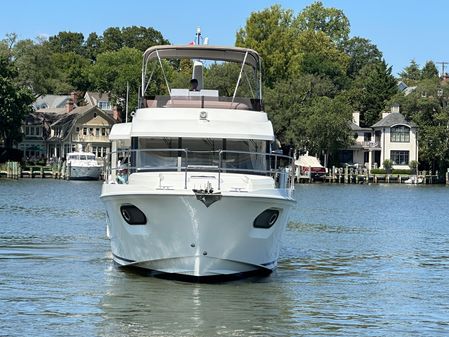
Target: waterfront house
393,137
58,126
103,102
365,150
398,138
86,127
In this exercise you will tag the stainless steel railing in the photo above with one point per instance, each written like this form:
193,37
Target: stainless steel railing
128,161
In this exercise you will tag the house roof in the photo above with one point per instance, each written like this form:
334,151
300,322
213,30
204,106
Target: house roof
93,97
50,102
393,118
355,127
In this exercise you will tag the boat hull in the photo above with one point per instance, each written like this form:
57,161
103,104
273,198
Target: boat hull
183,236
85,172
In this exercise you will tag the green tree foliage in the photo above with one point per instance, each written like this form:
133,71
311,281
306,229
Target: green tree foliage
34,62
411,74
327,126
14,103
320,56
370,91
92,46
429,71
428,107
140,38
67,42
113,70
289,105
331,21
269,32
361,52
309,64
73,72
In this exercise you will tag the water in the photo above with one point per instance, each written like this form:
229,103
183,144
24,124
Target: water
357,261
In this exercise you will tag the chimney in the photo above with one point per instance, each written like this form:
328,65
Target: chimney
69,105
117,113
395,108
74,97
356,118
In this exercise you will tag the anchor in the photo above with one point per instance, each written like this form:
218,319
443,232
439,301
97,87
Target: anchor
207,195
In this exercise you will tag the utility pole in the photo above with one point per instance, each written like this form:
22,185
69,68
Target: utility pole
443,63
127,97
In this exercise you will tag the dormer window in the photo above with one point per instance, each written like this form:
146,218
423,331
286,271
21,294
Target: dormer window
400,134
104,105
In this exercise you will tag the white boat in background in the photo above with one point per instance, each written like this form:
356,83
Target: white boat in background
83,165
414,180
194,190
309,167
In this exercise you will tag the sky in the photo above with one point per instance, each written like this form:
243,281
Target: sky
402,29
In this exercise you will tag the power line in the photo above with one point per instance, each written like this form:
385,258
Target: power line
443,63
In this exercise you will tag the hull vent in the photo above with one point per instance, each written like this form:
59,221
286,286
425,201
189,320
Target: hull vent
132,215
266,219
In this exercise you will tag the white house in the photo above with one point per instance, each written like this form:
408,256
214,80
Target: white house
398,138
393,137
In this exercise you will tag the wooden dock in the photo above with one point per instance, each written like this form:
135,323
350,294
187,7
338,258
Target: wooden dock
346,176
13,170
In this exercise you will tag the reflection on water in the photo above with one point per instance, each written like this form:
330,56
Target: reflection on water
155,307
356,261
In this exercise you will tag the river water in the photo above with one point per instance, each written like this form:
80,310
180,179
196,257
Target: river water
357,260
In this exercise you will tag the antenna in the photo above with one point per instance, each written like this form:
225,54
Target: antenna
198,35
443,63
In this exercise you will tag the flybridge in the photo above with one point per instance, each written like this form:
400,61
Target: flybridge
225,77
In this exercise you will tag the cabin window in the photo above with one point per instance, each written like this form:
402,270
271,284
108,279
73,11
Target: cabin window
399,157
400,134
160,153
154,153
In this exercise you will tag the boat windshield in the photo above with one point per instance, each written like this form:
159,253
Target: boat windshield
81,157
203,153
201,77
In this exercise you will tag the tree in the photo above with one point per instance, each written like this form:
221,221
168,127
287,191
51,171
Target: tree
428,107
370,91
14,103
269,32
113,70
36,69
66,42
92,46
361,52
112,39
429,71
411,74
142,38
72,72
331,21
327,128
287,105
318,55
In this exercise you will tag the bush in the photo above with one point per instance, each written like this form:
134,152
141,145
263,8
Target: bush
396,171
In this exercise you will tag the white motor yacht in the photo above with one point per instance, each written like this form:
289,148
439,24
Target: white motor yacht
194,189
83,165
